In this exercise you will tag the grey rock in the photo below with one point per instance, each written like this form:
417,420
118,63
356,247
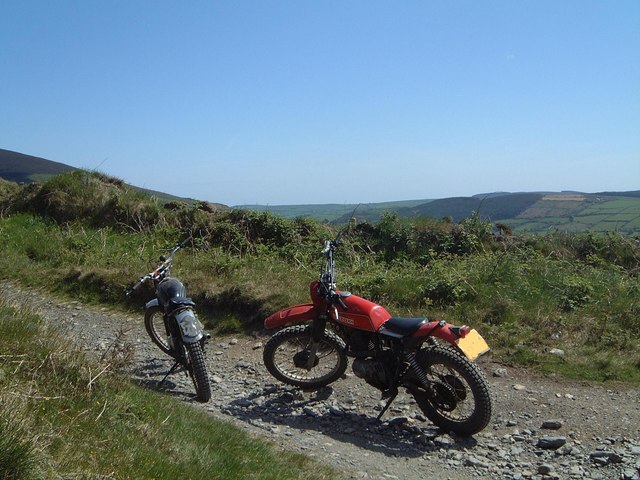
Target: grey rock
476,462
604,457
336,411
244,402
551,443
398,421
551,424
311,412
545,469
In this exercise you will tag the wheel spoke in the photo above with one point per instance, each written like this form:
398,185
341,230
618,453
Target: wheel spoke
287,356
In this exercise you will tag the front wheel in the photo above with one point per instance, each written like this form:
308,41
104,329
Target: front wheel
154,323
292,357
459,400
198,371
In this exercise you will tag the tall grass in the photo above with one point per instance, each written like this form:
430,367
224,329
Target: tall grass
61,419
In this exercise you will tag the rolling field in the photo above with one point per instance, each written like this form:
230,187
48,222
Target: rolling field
600,214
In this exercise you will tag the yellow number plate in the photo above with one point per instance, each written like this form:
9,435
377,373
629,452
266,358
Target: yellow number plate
473,345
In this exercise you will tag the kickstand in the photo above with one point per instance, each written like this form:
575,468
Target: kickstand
391,399
173,369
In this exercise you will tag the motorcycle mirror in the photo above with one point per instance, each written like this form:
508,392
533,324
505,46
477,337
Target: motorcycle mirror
162,258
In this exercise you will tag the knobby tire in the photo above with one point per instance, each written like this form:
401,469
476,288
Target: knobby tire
198,371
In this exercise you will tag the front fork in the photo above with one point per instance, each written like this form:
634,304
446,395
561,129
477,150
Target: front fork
317,331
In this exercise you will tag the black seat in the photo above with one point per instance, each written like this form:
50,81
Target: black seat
404,326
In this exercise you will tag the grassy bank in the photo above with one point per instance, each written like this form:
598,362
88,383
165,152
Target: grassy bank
89,237
60,419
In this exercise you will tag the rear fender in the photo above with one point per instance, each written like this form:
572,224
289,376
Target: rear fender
296,314
471,343
439,329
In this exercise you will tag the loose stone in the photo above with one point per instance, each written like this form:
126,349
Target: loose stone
551,443
551,424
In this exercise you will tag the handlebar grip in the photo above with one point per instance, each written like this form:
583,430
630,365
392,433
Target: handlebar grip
136,286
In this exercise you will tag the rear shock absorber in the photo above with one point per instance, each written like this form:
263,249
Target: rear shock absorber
412,359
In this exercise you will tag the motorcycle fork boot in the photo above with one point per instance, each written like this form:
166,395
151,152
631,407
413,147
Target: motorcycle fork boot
317,330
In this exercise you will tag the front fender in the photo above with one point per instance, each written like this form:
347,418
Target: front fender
190,326
152,303
295,314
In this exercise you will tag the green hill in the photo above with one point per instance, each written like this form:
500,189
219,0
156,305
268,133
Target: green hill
535,212
581,212
335,212
490,207
22,168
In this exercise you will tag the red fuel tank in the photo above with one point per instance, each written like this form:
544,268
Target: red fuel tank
361,313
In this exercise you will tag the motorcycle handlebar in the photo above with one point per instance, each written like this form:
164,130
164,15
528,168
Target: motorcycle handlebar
166,264
137,285
185,242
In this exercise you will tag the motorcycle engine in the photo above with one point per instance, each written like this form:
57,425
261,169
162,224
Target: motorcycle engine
374,372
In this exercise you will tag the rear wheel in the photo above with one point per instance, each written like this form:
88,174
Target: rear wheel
289,357
460,400
198,371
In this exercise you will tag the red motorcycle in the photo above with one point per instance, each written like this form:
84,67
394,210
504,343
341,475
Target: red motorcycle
433,360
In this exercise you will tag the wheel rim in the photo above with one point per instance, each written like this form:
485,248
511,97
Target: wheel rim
290,359
158,330
455,400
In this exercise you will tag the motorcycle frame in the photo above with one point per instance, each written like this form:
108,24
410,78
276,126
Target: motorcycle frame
361,314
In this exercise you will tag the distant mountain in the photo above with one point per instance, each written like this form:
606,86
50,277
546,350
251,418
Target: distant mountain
22,168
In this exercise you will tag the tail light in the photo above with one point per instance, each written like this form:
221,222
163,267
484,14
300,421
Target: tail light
464,330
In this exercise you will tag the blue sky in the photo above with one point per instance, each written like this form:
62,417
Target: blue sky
291,102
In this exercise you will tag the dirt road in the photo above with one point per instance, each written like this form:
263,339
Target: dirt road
542,427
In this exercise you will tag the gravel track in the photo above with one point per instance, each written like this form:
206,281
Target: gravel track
542,428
